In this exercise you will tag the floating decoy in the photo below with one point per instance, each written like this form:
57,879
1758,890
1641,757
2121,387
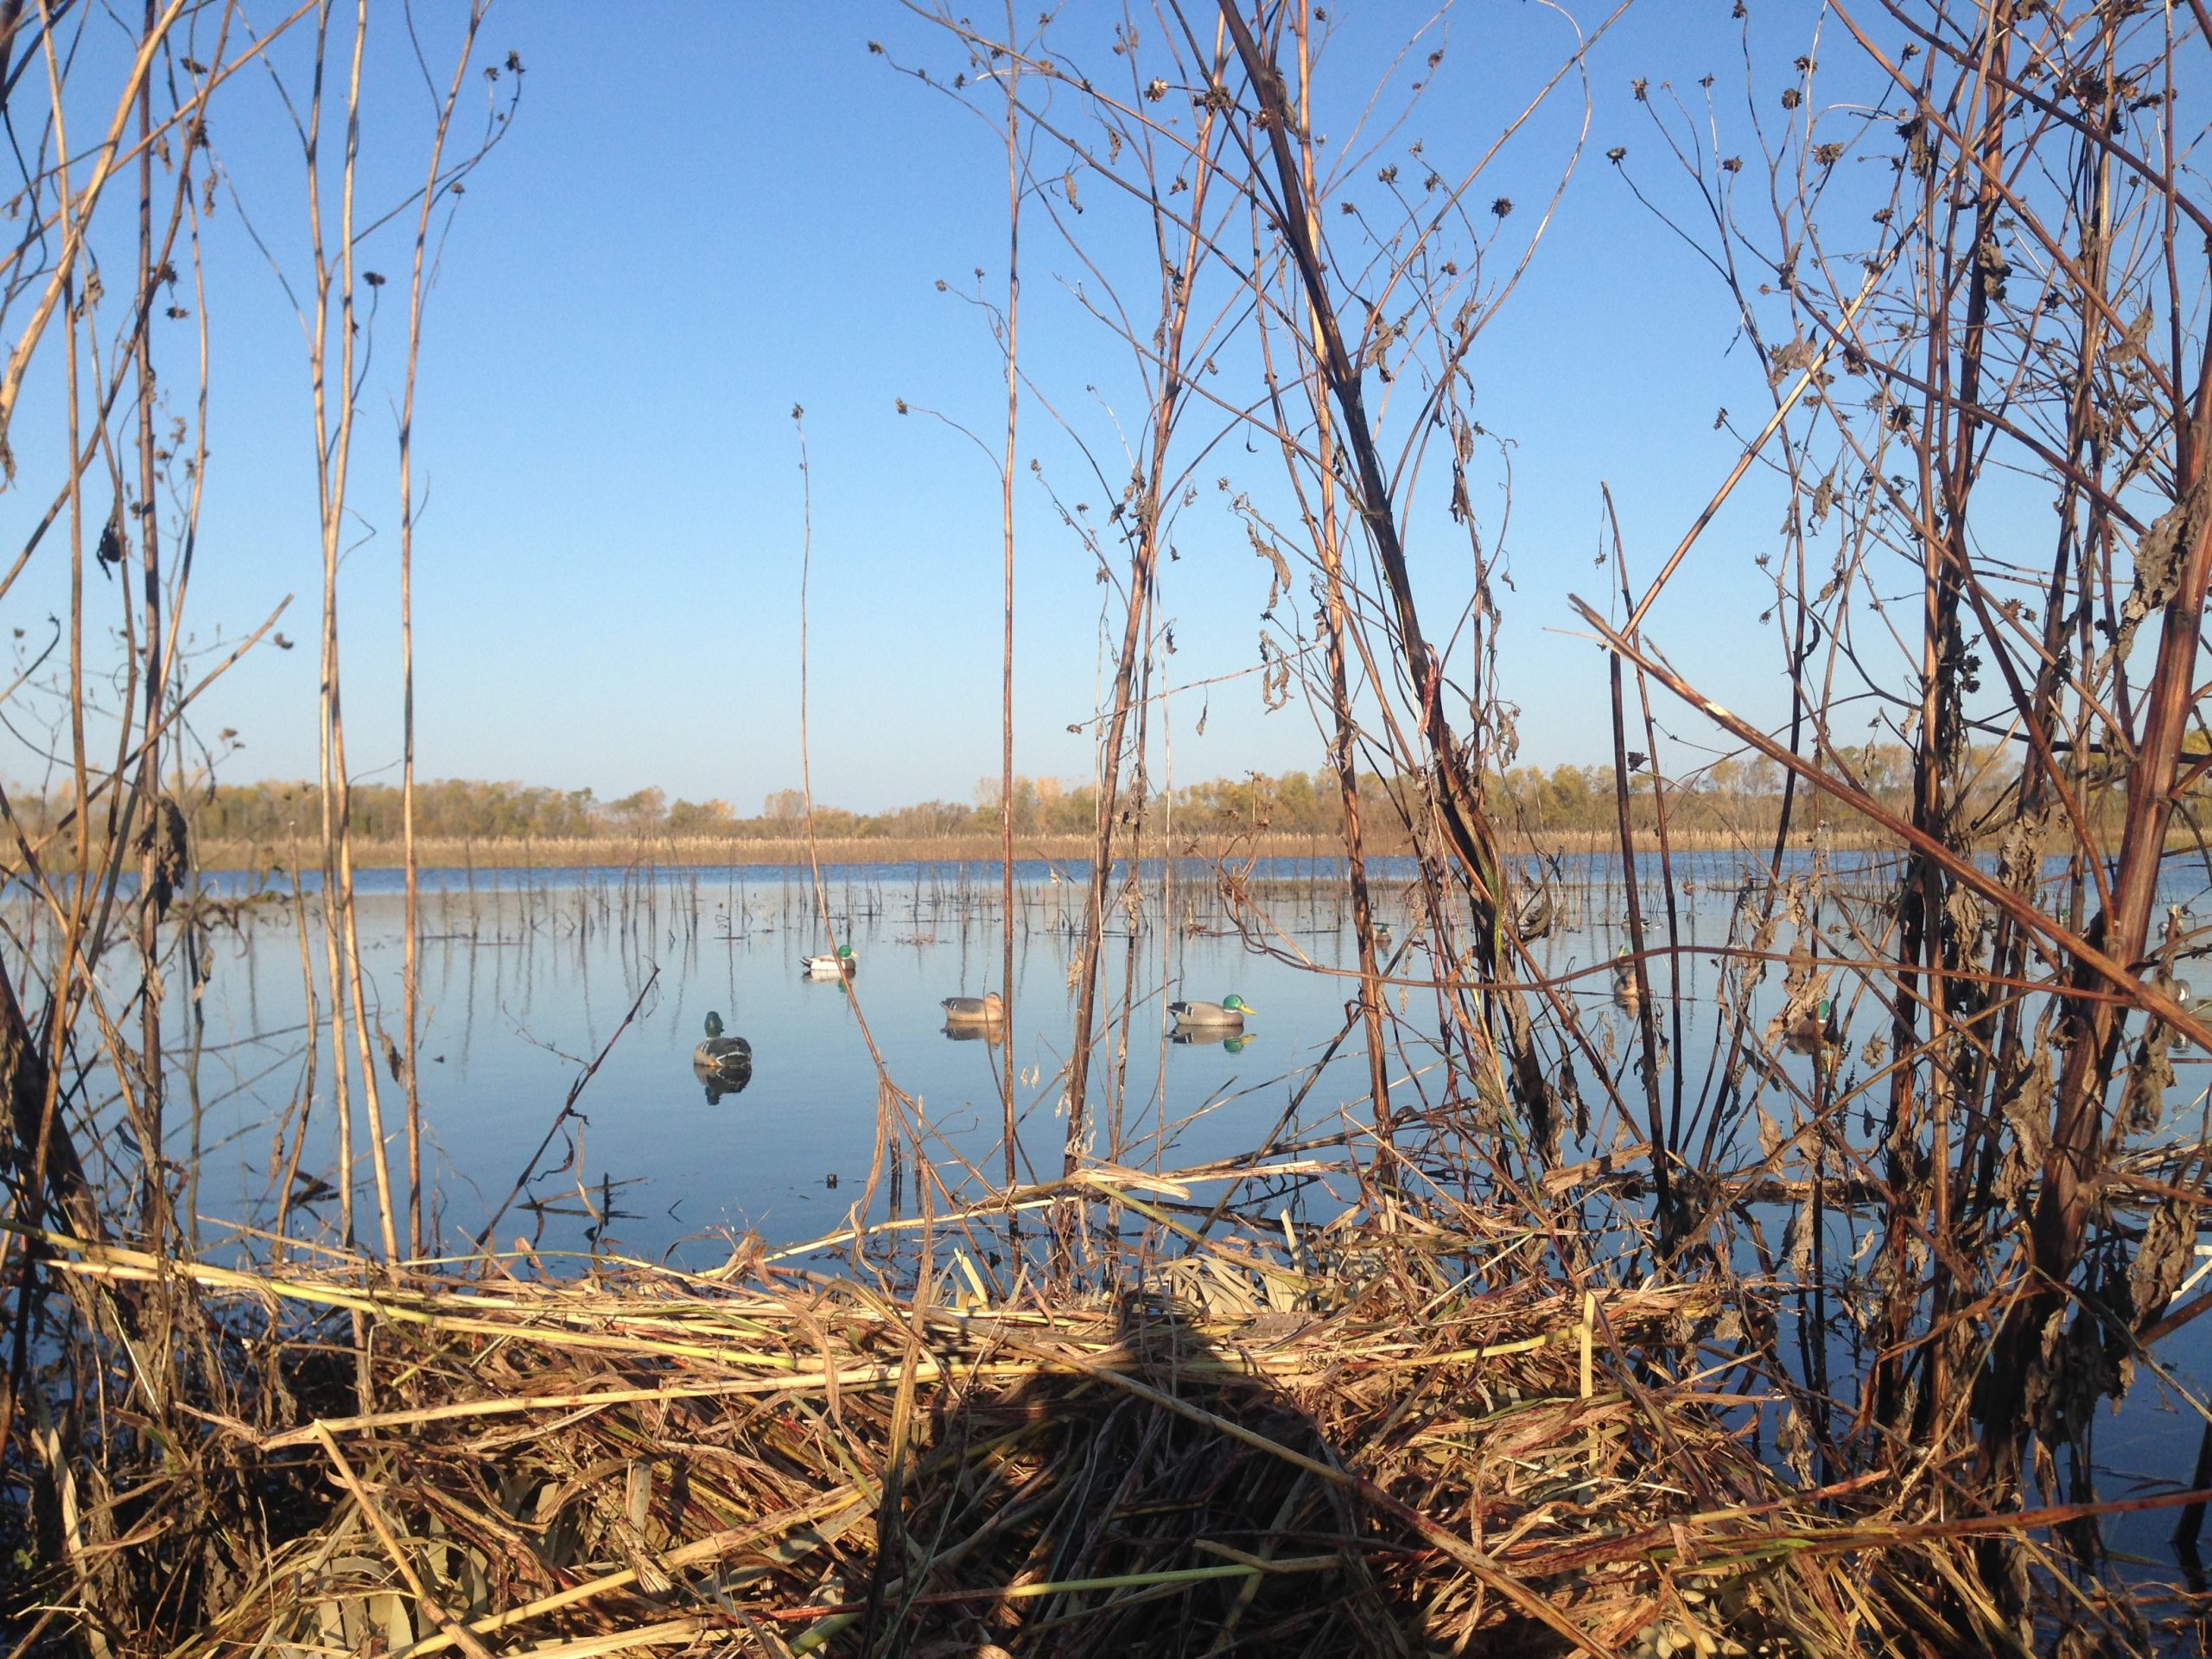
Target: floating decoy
1816,1031
1228,1013
1381,931
1626,992
723,1064
830,967
986,1009
719,1051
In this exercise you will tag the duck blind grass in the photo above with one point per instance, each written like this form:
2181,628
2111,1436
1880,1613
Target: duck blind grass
1415,1448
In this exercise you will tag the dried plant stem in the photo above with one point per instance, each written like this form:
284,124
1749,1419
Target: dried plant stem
1013,180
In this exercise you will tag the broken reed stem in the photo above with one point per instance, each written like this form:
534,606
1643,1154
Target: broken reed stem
1639,964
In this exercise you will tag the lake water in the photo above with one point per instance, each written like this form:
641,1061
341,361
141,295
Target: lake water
529,975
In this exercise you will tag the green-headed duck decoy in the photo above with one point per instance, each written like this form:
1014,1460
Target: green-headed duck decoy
720,1053
830,967
1229,1012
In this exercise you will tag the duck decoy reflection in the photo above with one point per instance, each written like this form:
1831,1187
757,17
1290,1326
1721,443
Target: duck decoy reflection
1233,1039
720,1080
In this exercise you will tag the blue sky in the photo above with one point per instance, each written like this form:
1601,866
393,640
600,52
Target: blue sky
706,214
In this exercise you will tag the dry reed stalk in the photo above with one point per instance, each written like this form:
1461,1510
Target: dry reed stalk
334,455
435,183
1013,341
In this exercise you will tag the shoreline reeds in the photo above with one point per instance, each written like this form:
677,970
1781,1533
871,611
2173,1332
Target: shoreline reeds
680,852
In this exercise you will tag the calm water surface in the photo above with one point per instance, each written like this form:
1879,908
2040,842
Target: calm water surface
526,978
528,975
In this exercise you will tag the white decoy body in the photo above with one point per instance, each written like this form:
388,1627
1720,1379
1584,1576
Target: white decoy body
830,967
1229,1012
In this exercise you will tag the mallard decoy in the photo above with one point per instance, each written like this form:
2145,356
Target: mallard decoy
720,1053
1626,992
1229,1012
1816,1031
830,967
986,1009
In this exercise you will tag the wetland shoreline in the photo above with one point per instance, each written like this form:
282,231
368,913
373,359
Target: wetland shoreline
718,851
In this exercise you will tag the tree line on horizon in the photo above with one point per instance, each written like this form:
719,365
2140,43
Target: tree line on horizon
1732,793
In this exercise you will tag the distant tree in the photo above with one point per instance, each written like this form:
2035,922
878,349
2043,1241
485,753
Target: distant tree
646,810
702,819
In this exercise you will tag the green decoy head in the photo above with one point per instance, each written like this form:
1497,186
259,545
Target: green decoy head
1236,1004
713,1026
844,953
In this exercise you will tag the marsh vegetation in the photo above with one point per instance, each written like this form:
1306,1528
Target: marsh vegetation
1727,1243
